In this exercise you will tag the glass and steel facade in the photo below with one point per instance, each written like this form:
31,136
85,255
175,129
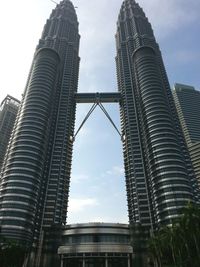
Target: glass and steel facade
159,174
96,245
194,150
8,112
187,101
35,177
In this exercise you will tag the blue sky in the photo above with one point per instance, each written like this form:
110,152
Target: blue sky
97,190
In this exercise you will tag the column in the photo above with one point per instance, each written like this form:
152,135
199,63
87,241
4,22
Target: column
62,261
83,262
129,262
106,261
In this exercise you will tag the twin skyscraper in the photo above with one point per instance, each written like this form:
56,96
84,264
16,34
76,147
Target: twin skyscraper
35,178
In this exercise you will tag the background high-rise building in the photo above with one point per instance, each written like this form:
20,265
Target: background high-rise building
8,112
159,176
187,101
34,185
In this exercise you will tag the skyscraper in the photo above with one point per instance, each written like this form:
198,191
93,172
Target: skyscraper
35,179
8,113
159,175
187,101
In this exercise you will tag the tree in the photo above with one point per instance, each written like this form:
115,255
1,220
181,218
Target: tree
178,245
11,253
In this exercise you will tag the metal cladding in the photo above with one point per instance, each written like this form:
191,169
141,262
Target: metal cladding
187,101
35,179
159,177
8,112
106,244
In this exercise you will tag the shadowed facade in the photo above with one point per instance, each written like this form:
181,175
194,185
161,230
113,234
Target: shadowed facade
159,176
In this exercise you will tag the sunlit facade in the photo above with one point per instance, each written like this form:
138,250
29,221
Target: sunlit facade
187,101
35,179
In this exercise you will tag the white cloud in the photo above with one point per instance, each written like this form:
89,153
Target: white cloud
116,171
78,178
83,133
80,204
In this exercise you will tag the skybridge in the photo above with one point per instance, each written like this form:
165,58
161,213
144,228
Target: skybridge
97,99
108,97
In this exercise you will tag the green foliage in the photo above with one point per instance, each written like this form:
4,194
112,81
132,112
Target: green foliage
178,245
11,253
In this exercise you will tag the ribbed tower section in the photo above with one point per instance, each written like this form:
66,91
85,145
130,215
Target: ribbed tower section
159,176
35,180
